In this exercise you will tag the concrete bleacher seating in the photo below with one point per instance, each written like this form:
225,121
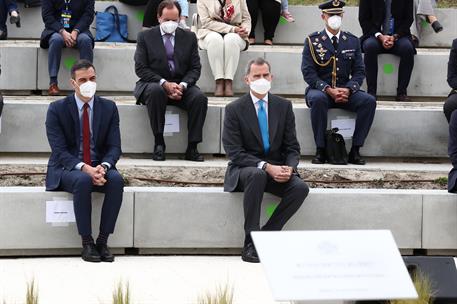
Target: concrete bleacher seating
208,218
120,77
307,21
23,129
396,132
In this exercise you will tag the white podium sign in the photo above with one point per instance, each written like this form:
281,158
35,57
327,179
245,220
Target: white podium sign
333,265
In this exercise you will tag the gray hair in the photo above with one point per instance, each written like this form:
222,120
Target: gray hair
257,61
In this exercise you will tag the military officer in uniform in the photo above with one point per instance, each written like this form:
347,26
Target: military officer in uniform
333,68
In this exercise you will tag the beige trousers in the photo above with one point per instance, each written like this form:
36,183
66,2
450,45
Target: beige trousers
223,53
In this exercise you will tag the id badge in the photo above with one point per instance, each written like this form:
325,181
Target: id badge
66,17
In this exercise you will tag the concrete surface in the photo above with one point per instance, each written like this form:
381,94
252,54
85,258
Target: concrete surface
23,129
23,220
440,221
210,218
18,75
307,20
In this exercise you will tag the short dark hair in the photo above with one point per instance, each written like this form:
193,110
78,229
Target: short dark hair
168,4
257,61
82,64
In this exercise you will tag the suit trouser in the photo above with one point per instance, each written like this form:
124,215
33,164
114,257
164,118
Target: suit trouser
6,7
56,44
80,184
254,182
359,102
403,48
193,101
271,12
449,106
223,53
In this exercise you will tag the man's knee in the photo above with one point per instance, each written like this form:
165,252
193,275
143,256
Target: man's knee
84,40
198,98
83,181
371,46
155,92
254,175
300,188
56,40
115,179
317,99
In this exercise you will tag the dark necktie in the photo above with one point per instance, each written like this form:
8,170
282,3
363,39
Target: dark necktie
169,49
86,136
335,42
263,124
386,27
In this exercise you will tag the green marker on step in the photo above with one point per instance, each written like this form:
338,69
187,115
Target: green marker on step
270,209
69,62
283,20
388,68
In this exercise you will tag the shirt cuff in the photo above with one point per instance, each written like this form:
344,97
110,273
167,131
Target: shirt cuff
260,164
107,164
161,82
79,166
184,84
377,34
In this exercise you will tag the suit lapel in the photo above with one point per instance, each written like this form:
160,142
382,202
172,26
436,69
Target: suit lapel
326,41
250,115
96,119
73,109
178,41
273,120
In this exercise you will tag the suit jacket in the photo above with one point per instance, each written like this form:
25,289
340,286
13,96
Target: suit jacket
151,63
211,21
452,68
81,18
63,132
372,14
350,68
243,142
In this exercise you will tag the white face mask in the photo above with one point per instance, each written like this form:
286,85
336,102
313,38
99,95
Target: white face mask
334,22
88,89
260,86
169,27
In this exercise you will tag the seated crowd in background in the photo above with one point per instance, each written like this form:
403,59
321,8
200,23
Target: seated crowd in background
8,8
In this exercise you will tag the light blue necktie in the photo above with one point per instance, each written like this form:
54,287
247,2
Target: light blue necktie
263,124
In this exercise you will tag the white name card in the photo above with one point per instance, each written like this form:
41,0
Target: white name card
60,211
171,123
333,265
346,126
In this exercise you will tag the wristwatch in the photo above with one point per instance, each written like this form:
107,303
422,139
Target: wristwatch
264,167
105,167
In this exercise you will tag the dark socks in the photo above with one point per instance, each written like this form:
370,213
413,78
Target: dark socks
53,80
192,145
159,140
102,238
355,149
87,239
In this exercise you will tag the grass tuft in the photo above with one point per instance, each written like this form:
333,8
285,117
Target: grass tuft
423,288
121,294
223,295
32,293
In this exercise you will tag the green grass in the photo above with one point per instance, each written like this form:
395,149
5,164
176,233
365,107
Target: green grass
424,290
441,3
121,294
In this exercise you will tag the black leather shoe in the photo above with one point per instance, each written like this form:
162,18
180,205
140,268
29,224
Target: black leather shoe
437,27
319,158
402,97
249,254
3,35
159,153
193,155
355,158
16,20
90,253
105,254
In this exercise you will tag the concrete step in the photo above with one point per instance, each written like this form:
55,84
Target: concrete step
307,21
208,218
394,131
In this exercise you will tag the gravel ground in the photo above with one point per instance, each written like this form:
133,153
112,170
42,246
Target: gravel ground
33,175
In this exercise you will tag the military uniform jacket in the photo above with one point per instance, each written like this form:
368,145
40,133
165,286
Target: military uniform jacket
323,66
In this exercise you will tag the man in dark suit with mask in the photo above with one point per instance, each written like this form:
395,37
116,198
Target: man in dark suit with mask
386,29
168,65
83,132
259,138
333,68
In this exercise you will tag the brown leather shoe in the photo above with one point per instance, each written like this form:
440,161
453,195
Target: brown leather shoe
53,89
219,92
228,88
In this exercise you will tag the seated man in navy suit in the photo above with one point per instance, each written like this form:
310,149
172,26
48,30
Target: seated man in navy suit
83,132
